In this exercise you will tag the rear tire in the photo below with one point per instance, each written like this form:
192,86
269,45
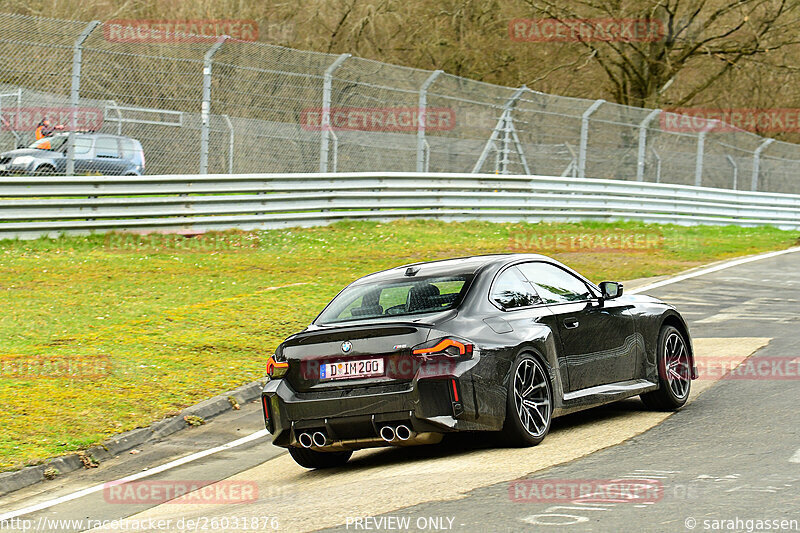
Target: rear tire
313,459
529,407
674,372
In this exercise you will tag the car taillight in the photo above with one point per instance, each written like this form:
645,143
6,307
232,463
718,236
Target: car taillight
447,346
276,369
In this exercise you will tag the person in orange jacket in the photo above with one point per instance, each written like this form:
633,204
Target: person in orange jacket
43,129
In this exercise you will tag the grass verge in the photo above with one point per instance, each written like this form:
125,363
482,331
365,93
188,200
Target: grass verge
106,333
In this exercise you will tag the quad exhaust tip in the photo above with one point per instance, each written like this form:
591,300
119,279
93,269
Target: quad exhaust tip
387,433
305,440
319,439
391,434
402,432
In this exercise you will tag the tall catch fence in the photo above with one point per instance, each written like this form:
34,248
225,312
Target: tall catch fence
226,106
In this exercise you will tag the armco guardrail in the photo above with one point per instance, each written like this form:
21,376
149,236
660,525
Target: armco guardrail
36,206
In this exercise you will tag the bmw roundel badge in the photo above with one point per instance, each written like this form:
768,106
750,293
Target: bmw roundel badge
347,346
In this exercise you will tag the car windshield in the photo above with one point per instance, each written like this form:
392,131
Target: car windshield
395,298
53,143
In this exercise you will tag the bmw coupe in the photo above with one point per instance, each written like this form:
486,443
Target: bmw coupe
500,343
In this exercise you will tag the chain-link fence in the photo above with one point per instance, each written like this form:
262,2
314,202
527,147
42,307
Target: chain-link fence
222,105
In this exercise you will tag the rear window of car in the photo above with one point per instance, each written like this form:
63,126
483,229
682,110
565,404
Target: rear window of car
395,298
129,150
82,145
106,147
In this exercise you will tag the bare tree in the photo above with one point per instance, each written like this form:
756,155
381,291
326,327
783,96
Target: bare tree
701,42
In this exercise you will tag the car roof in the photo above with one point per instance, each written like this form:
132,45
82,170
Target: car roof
454,266
93,133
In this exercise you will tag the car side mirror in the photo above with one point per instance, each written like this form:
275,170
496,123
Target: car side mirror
611,289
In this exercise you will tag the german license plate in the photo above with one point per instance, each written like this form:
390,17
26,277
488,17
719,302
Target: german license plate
364,368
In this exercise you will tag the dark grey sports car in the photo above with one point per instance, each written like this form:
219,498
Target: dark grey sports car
488,343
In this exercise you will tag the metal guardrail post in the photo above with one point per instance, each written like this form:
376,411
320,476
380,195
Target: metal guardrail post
585,137
422,119
757,163
325,123
643,143
205,106
735,171
75,93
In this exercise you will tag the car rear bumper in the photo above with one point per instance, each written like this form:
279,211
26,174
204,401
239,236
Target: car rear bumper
440,405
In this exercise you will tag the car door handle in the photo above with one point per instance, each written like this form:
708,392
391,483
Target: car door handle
571,323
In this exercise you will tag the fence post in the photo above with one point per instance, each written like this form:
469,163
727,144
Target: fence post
735,171
114,107
658,164
75,93
508,130
585,137
325,123
757,163
205,106
643,143
231,139
422,119
698,163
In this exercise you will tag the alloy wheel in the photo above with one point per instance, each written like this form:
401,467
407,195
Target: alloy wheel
532,397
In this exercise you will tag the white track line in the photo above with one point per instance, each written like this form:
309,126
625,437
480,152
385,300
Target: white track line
134,477
715,268
264,432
